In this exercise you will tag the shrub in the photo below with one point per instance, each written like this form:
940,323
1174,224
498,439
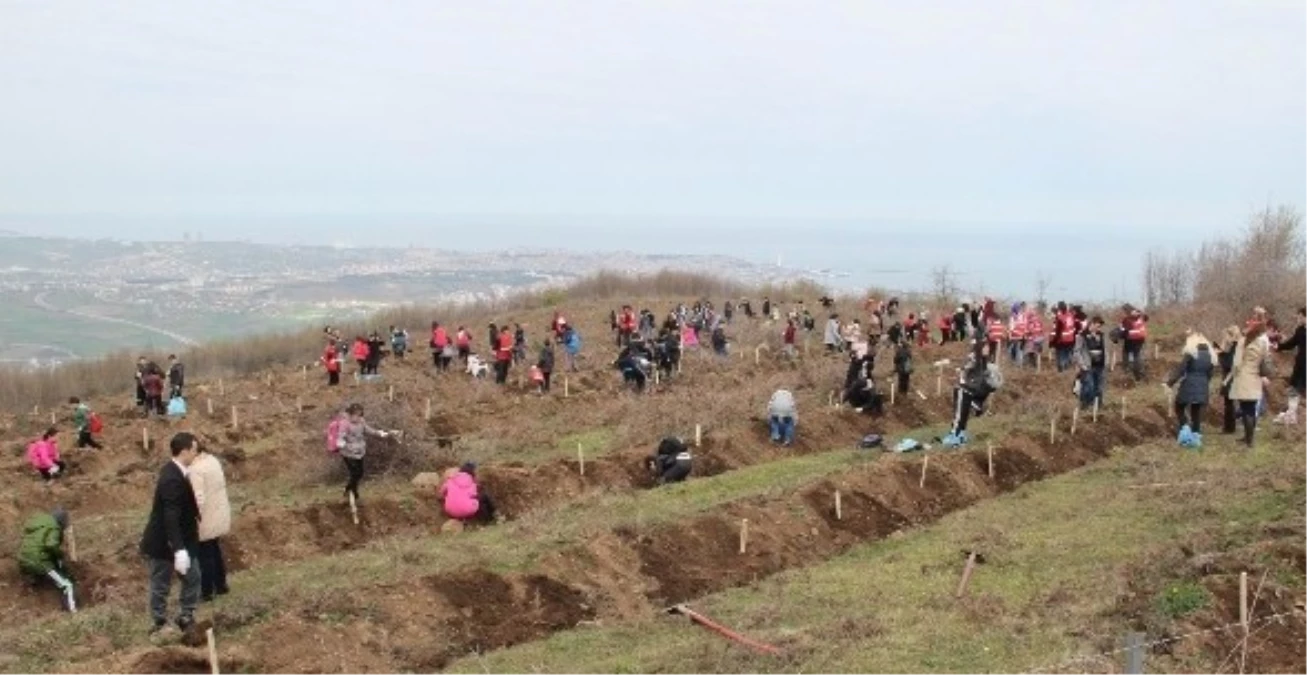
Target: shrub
1182,599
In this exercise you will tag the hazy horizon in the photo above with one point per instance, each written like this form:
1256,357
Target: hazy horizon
1176,117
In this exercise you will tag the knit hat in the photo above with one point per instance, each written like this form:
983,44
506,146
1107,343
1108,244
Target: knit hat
469,468
60,516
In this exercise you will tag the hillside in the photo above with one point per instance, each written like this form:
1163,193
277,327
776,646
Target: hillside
1081,532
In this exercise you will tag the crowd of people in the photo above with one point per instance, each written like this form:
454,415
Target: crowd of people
190,513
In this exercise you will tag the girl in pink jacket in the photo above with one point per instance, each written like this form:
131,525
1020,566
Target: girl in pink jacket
464,499
44,455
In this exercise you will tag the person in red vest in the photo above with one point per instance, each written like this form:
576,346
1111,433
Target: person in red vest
788,339
360,352
1064,335
1134,332
625,326
945,324
994,333
503,355
558,326
331,362
1034,336
439,341
463,341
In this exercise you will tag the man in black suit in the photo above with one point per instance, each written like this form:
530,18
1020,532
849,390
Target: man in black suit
172,536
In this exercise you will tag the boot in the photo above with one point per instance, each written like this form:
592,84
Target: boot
1249,425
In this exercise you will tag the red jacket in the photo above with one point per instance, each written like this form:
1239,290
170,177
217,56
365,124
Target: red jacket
360,350
463,340
329,359
789,334
626,323
996,330
1018,331
1066,323
439,338
1034,326
1136,329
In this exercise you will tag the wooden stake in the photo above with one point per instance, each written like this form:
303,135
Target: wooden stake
1157,351
72,544
1243,602
1096,400
744,535
53,421
1052,429
267,379
893,390
966,574
235,418
839,510
1075,418
989,450
565,387
222,390
299,405
145,438
353,508
925,462
208,403
391,393
921,394
1122,408
698,435
213,650
426,415
1039,362
939,381
580,458
304,373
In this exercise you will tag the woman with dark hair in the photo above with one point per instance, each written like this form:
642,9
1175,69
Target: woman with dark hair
1298,379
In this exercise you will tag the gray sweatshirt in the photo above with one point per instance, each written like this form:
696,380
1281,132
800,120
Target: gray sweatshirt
353,439
782,405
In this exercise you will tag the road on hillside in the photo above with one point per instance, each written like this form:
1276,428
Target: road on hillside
40,302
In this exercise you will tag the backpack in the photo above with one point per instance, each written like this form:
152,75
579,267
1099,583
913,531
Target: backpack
95,424
177,407
871,441
335,431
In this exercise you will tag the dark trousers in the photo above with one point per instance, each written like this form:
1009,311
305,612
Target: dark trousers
965,404
50,473
905,382
1091,386
1194,418
84,439
501,371
355,469
161,574
175,391
1248,412
213,571
154,404
1134,358
485,506
140,393
1231,415
548,376
333,378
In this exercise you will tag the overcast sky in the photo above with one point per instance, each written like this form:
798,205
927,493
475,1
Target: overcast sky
1128,112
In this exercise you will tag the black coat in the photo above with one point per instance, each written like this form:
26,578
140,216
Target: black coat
176,375
1297,379
1194,375
174,518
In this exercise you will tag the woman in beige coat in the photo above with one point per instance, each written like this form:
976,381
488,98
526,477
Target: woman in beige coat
1249,378
210,486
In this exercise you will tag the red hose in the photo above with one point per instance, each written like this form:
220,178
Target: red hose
724,631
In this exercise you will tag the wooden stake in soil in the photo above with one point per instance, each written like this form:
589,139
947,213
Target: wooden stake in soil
213,650
1243,602
744,535
925,462
53,421
966,574
1157,351
299,404
1122,408
580,458
565,386
893,390
1075,418
1096,400
390,394
698,435
208,404
426,415
235,418
839,510
939,381
1052,429
145,438
222,391
989,451
353,508
72,544
1039,362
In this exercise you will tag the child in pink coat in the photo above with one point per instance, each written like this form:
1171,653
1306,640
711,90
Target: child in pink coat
464,499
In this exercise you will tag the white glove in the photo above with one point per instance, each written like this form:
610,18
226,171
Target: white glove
54,469
181,561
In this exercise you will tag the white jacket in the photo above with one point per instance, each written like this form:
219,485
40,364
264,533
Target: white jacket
210,486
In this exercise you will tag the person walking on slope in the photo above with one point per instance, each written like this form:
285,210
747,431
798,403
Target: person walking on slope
153,383
43,455
41,554
352,442
503,355
141,367
331,362
1225,358
439,340
1194,376
1134,332
1016,334
782,417
1091,361
176,377
463,340
1064,336
466,500
903,362
1249,378
398,342
831,338
171,538
210,487
1298,379
546,364
86,423
976,382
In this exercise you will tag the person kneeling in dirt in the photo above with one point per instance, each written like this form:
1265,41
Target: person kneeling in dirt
672,463
634,363
976,382
864,397
41,556
782,416
464,499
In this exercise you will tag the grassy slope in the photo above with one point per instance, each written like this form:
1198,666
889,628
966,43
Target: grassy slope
1059,554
